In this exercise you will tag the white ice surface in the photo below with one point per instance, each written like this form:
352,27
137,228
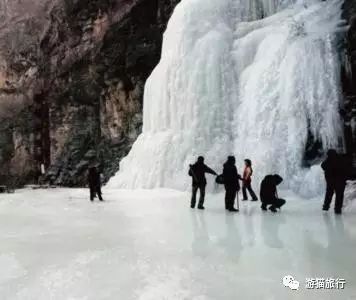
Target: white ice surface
230,82
149,245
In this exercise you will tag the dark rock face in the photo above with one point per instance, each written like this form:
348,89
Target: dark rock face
349,79
78,84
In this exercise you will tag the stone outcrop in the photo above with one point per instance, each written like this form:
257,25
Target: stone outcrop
349,79
71,84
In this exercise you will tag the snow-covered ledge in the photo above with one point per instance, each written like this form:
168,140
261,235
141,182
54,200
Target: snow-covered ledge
350,192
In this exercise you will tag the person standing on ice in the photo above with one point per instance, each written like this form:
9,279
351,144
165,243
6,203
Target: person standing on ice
94,181
335,170
268,193
197,172
246,181
231,182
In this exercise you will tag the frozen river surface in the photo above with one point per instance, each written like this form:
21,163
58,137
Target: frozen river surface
56,245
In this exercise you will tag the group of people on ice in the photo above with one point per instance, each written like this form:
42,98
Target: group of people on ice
230,178
335,168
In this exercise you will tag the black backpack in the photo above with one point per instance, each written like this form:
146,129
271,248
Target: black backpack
220,179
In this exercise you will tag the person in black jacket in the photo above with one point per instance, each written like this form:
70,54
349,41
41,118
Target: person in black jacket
231,182
197,172
336,172
94,183
268,193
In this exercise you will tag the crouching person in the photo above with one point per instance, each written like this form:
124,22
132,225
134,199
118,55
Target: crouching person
268,193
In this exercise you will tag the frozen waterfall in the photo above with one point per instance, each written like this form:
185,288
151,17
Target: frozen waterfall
242,77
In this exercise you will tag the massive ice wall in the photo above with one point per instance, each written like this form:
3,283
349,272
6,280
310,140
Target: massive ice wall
239,77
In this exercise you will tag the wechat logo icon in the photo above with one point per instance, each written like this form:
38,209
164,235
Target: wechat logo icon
289,281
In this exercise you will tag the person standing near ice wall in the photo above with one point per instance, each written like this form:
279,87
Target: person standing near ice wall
335,169
231,182
197,172
94,181
246,183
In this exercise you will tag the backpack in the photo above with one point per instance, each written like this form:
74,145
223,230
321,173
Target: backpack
220,179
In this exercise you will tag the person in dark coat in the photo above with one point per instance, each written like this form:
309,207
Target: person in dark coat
246,183
94,181
231,182
268,193
197,172
336,172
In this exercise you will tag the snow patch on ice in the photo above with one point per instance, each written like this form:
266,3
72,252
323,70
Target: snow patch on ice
10,268
350,193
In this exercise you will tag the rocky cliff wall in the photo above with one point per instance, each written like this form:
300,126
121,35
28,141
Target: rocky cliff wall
349,79
72,75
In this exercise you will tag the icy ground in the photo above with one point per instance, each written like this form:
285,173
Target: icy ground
56,245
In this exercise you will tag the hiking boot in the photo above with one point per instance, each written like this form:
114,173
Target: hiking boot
233,209
273,209
201,207
264,207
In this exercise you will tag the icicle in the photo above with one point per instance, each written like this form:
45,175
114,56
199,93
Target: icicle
229,83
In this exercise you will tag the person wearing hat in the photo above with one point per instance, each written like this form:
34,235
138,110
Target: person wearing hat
231,182
268,193
197,172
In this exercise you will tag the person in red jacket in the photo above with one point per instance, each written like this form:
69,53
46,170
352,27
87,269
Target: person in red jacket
246,182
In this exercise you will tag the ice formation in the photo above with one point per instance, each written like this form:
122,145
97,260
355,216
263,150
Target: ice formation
240,77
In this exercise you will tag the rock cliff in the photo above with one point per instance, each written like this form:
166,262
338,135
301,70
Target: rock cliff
72,75
349,79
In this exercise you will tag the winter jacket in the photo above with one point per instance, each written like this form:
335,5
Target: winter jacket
197,172
336,168
94,178
247,175
231,176
268,189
